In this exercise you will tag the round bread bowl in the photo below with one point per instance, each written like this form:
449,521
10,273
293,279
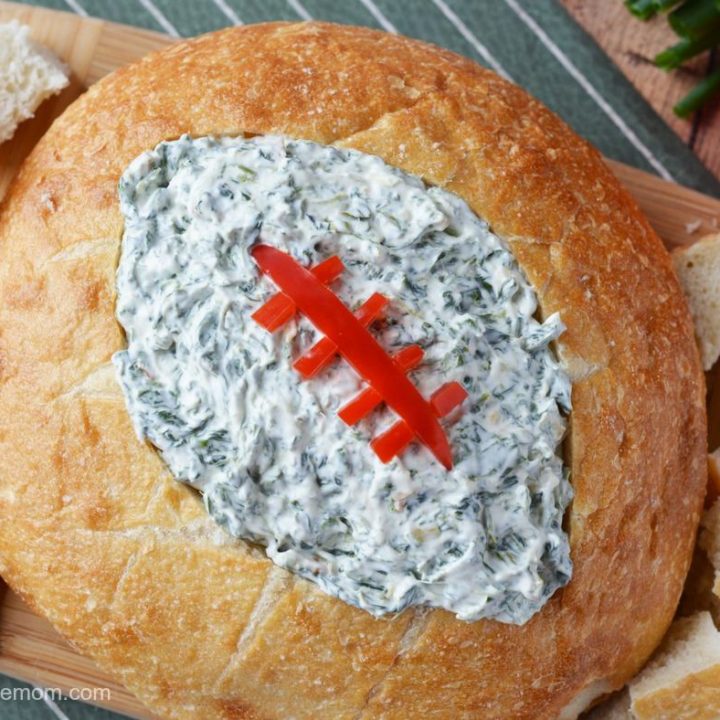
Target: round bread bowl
125,562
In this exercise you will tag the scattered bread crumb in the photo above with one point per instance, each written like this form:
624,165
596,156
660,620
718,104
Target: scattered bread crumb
29,74
698,267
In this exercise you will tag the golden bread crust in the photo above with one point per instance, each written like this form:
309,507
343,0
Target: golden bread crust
125,562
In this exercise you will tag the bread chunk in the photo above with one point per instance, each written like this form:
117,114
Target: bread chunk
698,267
29,74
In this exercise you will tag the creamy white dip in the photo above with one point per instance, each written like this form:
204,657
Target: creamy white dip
216,394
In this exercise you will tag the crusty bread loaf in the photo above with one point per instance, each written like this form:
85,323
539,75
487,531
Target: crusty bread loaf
683,680
123,560
28,75
698,267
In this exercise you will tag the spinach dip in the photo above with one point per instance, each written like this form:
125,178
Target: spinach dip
217,395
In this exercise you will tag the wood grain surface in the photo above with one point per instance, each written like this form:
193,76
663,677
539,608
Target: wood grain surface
29,647
31,650
632,45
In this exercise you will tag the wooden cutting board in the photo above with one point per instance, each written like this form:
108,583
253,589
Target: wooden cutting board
29,648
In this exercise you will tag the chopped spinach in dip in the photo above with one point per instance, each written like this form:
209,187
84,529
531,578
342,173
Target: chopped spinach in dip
216,394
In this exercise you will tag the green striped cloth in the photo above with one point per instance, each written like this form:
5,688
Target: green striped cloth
533,42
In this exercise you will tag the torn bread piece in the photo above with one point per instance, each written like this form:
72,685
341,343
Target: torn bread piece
709,540
683,680
698,267
29,74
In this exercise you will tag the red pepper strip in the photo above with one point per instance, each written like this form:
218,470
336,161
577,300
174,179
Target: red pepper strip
366,401
394,440
280,308
355,343
275,312
323,352
446,398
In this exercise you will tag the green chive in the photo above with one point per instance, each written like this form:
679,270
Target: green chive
699,95
684,50
643,9
695,18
